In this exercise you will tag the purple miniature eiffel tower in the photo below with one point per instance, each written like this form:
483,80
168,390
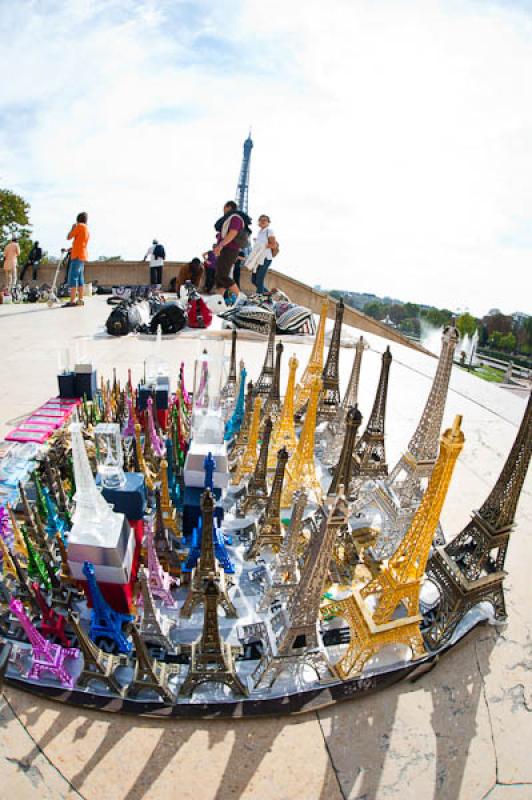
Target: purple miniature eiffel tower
129,428
160,581
156,442
47,657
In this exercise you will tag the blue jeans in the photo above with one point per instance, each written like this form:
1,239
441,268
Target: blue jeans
257,279
76,275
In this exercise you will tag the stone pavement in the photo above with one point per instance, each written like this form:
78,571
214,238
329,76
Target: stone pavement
461,731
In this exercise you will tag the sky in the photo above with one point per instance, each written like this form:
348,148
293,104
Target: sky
392,138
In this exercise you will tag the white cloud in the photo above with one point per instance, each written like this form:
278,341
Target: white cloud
392,139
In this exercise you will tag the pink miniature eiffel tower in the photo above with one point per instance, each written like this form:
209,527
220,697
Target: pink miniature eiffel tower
156,442
47,657
160,581
186,397
129,428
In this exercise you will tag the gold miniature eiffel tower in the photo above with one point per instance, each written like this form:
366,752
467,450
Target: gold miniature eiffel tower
150,674
301,469
284,430
8,567
207,565
247,462
18,541
167,509
97,665
399,581
212,658
270,531
143,467
257,489
314,367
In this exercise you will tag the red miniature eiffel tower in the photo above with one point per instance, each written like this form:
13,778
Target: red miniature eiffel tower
52,624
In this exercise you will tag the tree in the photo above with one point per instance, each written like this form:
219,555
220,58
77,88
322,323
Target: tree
466,324
375,309
14,220
497,322
507,342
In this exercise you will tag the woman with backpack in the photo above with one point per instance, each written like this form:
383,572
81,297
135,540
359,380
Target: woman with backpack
264,250
232,236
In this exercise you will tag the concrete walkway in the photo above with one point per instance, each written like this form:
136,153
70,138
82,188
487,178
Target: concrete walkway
462,731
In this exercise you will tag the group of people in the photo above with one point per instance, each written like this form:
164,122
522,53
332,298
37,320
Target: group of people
219,272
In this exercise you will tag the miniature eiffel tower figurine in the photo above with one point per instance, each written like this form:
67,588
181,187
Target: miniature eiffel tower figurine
371,462
211,659
207,565
167,510
154,629
160,581
234,423
470,569
343,471
409,477
284,575
270,532
257,489
264,383
284,430
19,544
150,674
97,665
330,391
331,440
299,642
47,657
143,467
237,446
399,581
229,391
247,461
314,367
165,551
8,565
272,406
301,469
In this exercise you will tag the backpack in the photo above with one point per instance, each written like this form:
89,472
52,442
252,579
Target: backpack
170,317
198,313
159,251
275,249
242,239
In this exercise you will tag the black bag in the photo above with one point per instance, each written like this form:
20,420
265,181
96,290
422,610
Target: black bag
158,251
33,294
123,319
170,317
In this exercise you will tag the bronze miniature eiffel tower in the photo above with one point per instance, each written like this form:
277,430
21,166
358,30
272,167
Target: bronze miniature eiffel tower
343,472
154,629
97,665
272,406
167,554
371,461
299,643
150,674
207,565
264,383
211,659
257,489
411,473
470,569
330,390
167,510
269,527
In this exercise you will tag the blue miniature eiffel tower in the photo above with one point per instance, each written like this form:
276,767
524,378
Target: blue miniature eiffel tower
209,465
54,523
232,426
106,623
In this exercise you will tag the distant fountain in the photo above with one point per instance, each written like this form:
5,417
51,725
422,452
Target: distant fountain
468,345
430,336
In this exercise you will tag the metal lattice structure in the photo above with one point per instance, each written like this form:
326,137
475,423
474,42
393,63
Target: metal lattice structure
343,471
272,406
264,382
284,429
371,455
314,368
257,488
270,531
330,389
301,469
242,189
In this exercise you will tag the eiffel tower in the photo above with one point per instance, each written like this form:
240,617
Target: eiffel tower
314,367
371,461
211,659
150,674
257,489
154,629
207,566
284,429
299,643
343,472
97,665
272,406
470,569
330,390
167,554
269,527
264,383
409,476
301,469
239,443
229,390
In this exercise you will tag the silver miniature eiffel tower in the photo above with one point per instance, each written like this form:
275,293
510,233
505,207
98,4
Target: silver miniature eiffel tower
150,674
272,406
264,383
299,642
330,390
229,391
154,629
257,488
370,463
269,527
212,658
97,665
343,471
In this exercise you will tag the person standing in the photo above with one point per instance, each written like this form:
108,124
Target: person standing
11,254
209,270
260,258
79,233
232,237
34,260
156,254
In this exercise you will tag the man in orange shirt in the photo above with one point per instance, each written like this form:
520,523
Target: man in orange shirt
78,256
11,254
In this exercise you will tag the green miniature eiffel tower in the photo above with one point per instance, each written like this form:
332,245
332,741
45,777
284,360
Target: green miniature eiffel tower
41,502
36,566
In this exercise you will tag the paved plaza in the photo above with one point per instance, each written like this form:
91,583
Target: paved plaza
461,731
